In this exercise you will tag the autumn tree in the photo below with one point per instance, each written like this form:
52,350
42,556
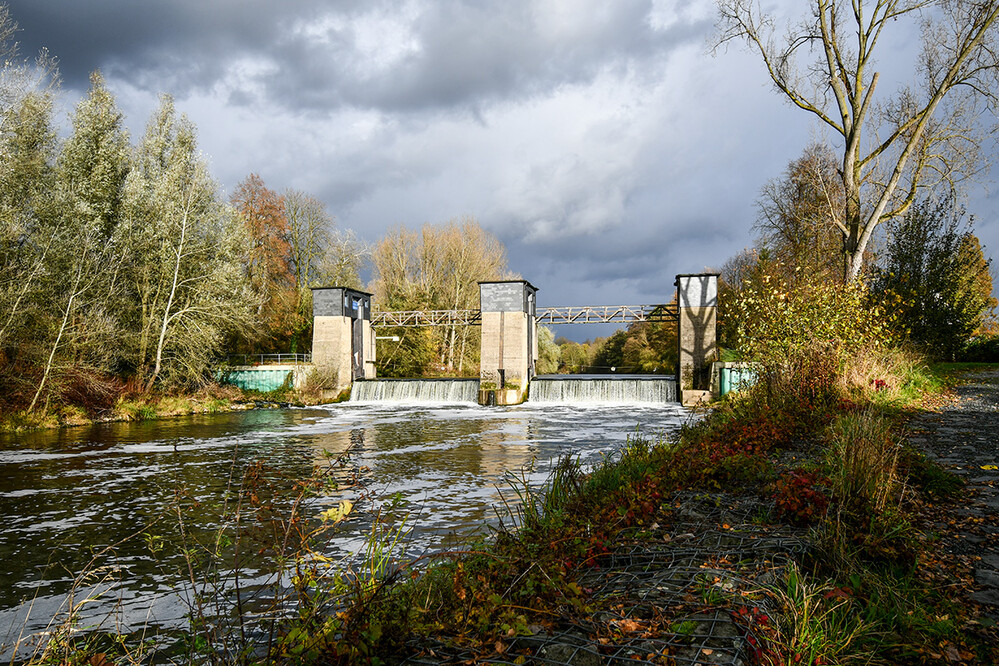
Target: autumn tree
27,151
438,268
893,145
795,221
269,268
935,276
85,298
549,353
574,357
29,228
647,347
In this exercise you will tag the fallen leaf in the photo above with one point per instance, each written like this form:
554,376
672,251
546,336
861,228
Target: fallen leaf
628,625
338,513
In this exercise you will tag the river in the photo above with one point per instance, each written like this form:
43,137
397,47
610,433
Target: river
115,489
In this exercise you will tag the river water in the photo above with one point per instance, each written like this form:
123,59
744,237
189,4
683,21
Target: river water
105,499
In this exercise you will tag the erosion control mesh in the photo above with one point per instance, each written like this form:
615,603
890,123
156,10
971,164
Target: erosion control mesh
692,593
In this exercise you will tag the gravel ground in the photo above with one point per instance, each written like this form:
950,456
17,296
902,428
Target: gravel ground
964,438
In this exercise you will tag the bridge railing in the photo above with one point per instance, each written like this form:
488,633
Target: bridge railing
585,314
606,314
268,359
427,318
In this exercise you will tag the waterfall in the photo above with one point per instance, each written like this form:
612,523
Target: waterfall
624,389
415,390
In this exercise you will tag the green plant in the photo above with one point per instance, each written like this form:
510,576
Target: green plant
929,477
862,456
136,411
776,318
820,623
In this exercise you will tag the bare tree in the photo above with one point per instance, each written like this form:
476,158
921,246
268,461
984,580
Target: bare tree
797,213
921,136
309,228
438,268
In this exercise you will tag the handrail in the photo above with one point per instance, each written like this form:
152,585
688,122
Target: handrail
268,359
606,314
585,314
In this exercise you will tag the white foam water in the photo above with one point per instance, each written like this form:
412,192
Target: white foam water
447,391
606,389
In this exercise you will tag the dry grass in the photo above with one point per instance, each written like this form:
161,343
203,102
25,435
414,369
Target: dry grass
863,455
883,375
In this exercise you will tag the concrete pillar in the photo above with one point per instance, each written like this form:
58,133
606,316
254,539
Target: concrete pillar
509,348
697,301
343,342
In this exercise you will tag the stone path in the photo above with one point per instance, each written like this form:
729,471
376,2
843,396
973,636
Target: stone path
964,438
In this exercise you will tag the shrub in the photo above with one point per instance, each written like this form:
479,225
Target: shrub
776,318
802,497
981,349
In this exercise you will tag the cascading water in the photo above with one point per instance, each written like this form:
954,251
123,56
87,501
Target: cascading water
416,390
625,389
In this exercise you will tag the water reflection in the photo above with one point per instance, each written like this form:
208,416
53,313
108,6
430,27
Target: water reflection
68,493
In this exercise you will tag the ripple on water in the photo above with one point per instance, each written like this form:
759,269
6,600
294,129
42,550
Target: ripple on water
69,493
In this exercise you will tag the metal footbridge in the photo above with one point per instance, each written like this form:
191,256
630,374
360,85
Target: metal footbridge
573,314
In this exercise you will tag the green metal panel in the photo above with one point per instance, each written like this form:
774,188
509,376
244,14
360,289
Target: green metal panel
262,379
735,379
724,381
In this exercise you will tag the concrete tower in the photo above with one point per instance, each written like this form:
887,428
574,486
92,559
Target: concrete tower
509,340
343,342
697,300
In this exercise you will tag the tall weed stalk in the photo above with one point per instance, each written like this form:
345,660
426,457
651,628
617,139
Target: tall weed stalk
863,456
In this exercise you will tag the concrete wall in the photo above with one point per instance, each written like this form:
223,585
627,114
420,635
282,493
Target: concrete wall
331,348
697,298
504,346
509,347
369,350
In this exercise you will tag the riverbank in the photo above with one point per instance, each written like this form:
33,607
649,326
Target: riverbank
787,527
144,406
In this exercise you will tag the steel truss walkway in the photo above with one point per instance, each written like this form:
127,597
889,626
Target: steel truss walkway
574,314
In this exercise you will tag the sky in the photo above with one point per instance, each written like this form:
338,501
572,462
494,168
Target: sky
602,142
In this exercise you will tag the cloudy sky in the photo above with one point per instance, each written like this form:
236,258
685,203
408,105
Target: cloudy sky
600,141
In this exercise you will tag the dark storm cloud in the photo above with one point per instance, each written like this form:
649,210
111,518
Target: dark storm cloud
323,55
466,53
186,43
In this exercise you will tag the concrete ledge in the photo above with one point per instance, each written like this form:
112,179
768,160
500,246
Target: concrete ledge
694,397
500,397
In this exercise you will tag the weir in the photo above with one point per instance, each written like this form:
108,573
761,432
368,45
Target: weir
344,341
416,390
619,389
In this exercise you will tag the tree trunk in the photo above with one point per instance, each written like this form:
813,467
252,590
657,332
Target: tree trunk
169,304
62,329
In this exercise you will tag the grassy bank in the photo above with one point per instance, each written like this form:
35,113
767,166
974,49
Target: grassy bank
134,405
811,461
781,528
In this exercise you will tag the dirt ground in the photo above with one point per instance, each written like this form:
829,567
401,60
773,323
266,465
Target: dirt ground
963,436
